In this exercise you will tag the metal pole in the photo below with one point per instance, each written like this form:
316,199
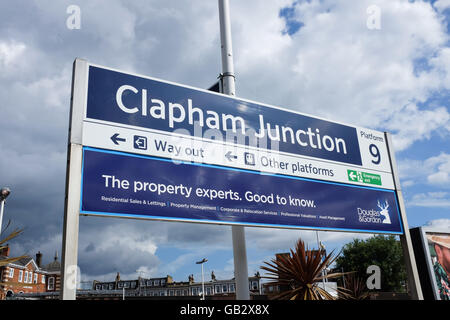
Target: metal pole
240,263
228,78
228,87
318,240
405,239
203,284
319,247
2,207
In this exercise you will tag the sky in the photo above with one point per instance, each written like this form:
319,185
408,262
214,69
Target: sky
379,64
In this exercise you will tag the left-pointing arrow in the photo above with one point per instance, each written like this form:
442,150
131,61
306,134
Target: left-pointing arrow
230,156
115,138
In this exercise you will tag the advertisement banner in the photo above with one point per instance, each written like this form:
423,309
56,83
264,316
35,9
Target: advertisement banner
137,186
439,256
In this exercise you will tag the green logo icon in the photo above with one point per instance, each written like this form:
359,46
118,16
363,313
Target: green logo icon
364,177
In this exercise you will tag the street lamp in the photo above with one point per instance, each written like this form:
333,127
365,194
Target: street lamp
321,247
203,279
4,193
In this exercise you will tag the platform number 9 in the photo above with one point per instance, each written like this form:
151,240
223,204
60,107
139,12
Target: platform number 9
375,152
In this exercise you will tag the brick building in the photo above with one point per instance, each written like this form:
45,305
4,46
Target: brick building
166,287
27,275
53,272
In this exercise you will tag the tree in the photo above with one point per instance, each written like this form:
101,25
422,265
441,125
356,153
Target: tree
382,251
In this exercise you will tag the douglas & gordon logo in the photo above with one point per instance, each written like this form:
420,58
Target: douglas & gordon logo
375,216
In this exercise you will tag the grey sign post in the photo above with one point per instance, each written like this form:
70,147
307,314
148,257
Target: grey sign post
408,252
69,268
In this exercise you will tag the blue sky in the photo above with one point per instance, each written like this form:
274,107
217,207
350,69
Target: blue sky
327,58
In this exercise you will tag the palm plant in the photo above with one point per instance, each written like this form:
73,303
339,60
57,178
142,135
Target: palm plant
300,272
3,245
6,260
355,288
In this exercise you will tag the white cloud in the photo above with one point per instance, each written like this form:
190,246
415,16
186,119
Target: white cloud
431,199
442,5
50,90
432,174
434,170
116,247
439,223
407,183
412,124
441,62
10,53
441,174
115,27
258,41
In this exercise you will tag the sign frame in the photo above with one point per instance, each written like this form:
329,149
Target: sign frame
359,168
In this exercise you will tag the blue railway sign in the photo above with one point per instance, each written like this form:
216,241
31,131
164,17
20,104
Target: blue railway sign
159,150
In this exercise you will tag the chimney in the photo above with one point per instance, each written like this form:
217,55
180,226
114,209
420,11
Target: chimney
5,251
39,259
